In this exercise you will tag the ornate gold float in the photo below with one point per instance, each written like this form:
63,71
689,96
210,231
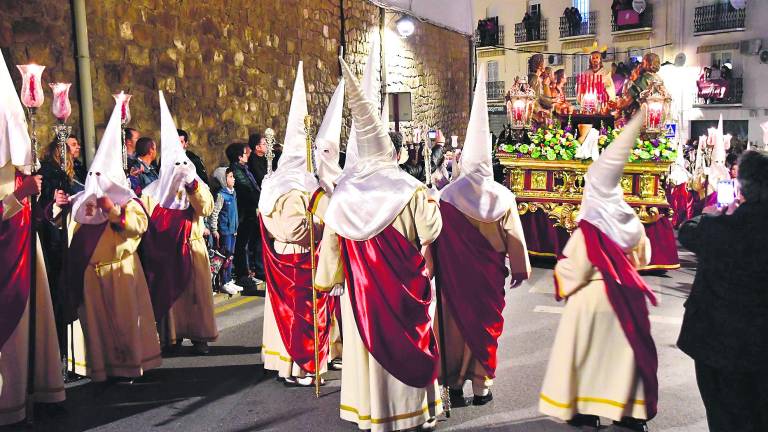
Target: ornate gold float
556,187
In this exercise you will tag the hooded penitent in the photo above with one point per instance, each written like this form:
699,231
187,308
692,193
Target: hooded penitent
328,141
603,202
105,177
291,173
474,192
176,170
372,192
717,168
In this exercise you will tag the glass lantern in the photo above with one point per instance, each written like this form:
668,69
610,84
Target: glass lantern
656,101
520,101
32,85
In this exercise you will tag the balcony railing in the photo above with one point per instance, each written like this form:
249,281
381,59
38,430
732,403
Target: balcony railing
485,38
570,87
531,31
718,17
718,93
630,20
495,90
586,26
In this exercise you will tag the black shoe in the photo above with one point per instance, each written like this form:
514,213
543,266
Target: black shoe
482,400
201,348
632,424
457,398
335,364
579,420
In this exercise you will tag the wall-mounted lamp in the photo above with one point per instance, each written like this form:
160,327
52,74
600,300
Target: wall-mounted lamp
405,26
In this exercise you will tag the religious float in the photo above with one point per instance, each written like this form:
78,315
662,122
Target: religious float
545,166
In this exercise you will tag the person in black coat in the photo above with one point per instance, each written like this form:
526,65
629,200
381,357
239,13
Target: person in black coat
196,160
725,327
257,161
248,238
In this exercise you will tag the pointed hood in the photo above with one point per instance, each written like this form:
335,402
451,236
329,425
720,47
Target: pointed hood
375,190
15,145
105,177
679,174
370,91
603,202
291,172
474,192
328,141
176,170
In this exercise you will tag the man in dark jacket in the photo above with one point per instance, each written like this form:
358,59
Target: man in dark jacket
257,162
197,161
725,328
248,193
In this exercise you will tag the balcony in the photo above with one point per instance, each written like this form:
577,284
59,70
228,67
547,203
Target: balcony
570,87
489,39
719,93
534,30
718,18
586,27
495,90
629,21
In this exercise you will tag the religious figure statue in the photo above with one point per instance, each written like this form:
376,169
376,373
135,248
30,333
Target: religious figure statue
639,81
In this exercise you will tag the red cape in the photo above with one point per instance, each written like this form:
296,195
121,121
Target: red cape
166,256
627,293
289,281
390,295
470,274
15,269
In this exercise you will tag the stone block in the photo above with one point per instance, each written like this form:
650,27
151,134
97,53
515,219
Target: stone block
137,55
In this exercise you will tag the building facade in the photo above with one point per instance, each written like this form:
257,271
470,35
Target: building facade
689,35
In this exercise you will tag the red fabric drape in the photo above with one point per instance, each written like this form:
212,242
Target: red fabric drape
289,281
15,270
78,257
470,274
627,293
390,296
681,201
166,256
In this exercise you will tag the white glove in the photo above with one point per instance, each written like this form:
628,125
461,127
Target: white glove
337,290
310,182
184,173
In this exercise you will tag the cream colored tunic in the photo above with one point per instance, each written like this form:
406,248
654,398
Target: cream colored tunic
192,314
287,225
592,367
116,315
49,384
504,235
370,396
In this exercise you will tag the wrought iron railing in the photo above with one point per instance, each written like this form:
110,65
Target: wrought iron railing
587,25
531,31
733,93
485,38
644,20
718,17
495,90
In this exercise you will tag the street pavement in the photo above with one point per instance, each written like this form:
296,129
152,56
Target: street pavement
228,390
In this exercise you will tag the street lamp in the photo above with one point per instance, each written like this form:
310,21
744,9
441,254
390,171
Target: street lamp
405,26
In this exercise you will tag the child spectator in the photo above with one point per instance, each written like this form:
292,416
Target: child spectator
223,222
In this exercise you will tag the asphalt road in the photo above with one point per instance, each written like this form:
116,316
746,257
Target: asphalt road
227,390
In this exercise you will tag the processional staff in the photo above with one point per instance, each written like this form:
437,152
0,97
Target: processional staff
310,223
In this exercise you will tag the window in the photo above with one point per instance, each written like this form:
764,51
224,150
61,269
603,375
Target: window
493,71
720,58
580,64
582,6
534,7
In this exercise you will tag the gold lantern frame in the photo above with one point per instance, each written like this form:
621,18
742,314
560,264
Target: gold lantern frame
521,91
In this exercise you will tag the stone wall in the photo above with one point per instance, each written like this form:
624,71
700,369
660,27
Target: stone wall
227,68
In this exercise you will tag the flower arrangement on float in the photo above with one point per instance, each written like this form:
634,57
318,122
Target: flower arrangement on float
552,143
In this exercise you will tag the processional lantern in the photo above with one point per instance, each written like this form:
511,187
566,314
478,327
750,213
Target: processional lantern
656,101
520,100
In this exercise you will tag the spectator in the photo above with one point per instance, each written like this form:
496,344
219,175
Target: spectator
131,138
223,223
257,161
196,160
247,192
146,154
724,328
